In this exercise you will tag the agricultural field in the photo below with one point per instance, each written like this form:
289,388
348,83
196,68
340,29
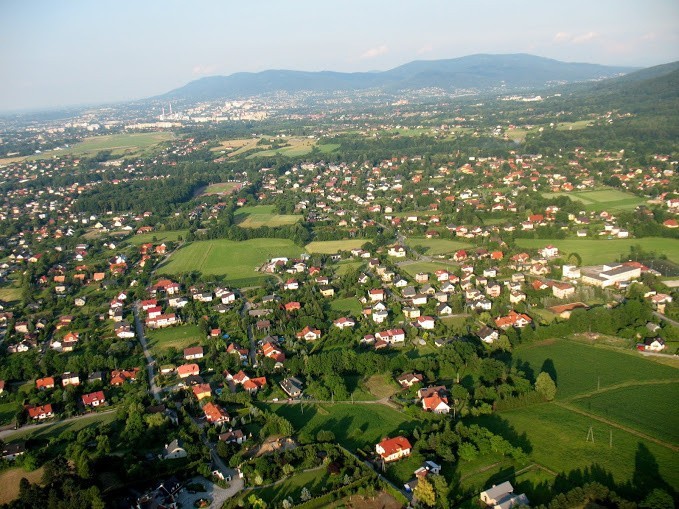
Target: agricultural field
600,251
238,261
650,404
160,236
173,337
9,480
355,426
435,247
579,368
602,199
349,305
263,215
296,147
334,246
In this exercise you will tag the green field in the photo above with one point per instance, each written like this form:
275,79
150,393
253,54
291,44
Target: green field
263,215
54,429
161,236
314,480
354,426
655,409
221,188
238,261
580,368
298,148
119,145
557,439
9,293
435,247
427,267
349,305
334,246
173,337
600,251
603,199
345,267
8,411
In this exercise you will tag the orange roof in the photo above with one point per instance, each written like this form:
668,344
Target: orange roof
188,369
394,445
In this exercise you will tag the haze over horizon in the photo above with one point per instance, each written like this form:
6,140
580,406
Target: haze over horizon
60,54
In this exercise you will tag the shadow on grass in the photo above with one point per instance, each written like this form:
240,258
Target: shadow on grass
501,427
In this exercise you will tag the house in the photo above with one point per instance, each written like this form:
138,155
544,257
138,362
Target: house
174,450
549,251
409,379
654,344
254,384
291,284
201,391
215,414
232,436
513,319
120,376
344,323
292,386
392,449
292,306
444,309
391,336
192,353
11,451
502,497
44,383
94,399
487,335
562,290
39,413
70,379
186,370
397,251
425,322
376,295
327,291
436,404
309,334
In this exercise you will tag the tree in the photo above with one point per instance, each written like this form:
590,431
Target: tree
424,492
255,502
306,494
657,499
545,386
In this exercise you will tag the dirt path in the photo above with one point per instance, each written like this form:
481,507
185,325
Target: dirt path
631,383
618,426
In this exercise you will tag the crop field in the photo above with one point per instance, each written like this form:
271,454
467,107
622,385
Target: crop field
173,337
334,246
160,236
355,426
579,368
604,199
600,251
655,408
235,260
435,247
263,215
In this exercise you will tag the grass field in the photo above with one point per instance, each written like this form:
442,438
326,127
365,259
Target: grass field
9,480
54,429
313,480
381,386
655,409
345,267
7,412
161,236
349,305
599,251
603,199
173,337
263,215
579,368
221,188
296,147
354,426
427,267
334,246
557,439
9,293
435,247
236,260
119,145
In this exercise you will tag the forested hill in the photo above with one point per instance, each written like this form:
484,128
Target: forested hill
478,72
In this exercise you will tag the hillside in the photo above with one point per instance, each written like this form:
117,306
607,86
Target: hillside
479,72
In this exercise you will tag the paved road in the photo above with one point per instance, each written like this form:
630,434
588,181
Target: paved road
9,432
150,361
251,336
668,320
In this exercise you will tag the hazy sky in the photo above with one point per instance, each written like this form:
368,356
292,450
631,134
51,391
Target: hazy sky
55,53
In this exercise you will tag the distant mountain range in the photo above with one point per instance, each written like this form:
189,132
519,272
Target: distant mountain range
478,72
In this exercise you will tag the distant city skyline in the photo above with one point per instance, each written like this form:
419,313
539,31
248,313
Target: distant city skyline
57,54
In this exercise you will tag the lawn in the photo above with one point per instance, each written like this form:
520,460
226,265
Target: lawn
334,246
263,215
579,368
9,293
160,236
355,426
600,251
349,305
655,409
313,480
54,429
427,267
173,337
557,438
346,267
7,412
238,261
603,199
435,247
381,386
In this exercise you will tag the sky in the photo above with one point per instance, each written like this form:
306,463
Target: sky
73,52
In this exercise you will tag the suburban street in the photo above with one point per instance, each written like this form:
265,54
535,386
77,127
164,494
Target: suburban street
150,361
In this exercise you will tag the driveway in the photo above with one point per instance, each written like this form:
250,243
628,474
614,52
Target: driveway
214,493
